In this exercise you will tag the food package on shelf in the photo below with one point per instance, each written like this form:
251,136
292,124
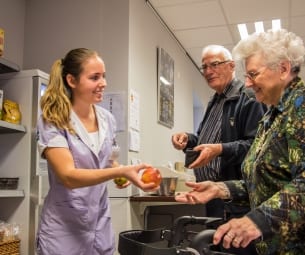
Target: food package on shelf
9,231
11,112
1,41
10,183
1,103
9,238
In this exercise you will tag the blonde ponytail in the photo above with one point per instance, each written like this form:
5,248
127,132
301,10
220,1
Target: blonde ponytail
55,103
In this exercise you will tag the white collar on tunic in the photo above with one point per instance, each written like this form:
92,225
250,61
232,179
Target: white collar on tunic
83,133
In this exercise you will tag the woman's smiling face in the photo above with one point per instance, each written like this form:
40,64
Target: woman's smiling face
89,88
265,81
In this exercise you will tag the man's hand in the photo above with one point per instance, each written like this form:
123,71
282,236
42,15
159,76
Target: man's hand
208,152
180,140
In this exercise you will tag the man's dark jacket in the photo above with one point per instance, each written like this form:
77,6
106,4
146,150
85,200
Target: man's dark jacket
241,114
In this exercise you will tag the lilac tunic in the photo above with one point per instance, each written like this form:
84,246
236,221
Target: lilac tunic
77,221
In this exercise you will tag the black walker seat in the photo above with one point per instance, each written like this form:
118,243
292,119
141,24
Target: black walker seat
143,242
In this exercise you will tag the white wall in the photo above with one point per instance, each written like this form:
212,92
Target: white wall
12,15
146,34
53,27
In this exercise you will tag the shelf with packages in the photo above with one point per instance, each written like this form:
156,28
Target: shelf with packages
7,66
6,127
19,154
11,193
9,187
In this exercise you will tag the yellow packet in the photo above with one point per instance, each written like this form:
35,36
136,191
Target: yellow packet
1,41
11,112
1,103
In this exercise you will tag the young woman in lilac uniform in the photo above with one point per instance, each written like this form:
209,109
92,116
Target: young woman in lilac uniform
76,137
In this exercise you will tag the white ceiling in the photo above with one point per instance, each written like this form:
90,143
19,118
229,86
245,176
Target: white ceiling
197,23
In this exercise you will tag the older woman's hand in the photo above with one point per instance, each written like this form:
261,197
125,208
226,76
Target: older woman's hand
201,193
237,232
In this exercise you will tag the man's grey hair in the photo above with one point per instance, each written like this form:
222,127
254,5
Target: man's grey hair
216,49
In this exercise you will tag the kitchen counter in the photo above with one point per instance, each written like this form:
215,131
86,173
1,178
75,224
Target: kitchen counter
152,211
152,198
141,203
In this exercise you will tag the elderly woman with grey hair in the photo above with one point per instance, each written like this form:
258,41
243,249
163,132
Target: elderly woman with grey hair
274,168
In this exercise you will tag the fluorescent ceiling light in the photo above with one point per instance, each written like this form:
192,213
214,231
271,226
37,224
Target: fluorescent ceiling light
259,26
276,24
165,81
242,28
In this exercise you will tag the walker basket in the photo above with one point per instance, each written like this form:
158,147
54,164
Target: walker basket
177,240
11,247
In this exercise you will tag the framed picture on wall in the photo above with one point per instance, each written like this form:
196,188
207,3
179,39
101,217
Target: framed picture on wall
165,88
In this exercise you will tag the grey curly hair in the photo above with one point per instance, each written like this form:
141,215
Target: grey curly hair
275,46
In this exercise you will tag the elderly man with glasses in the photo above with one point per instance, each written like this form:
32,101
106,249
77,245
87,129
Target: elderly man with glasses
225,134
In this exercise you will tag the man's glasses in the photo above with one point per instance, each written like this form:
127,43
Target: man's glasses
213,66
253,75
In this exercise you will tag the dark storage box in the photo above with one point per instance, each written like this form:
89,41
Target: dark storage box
9,183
